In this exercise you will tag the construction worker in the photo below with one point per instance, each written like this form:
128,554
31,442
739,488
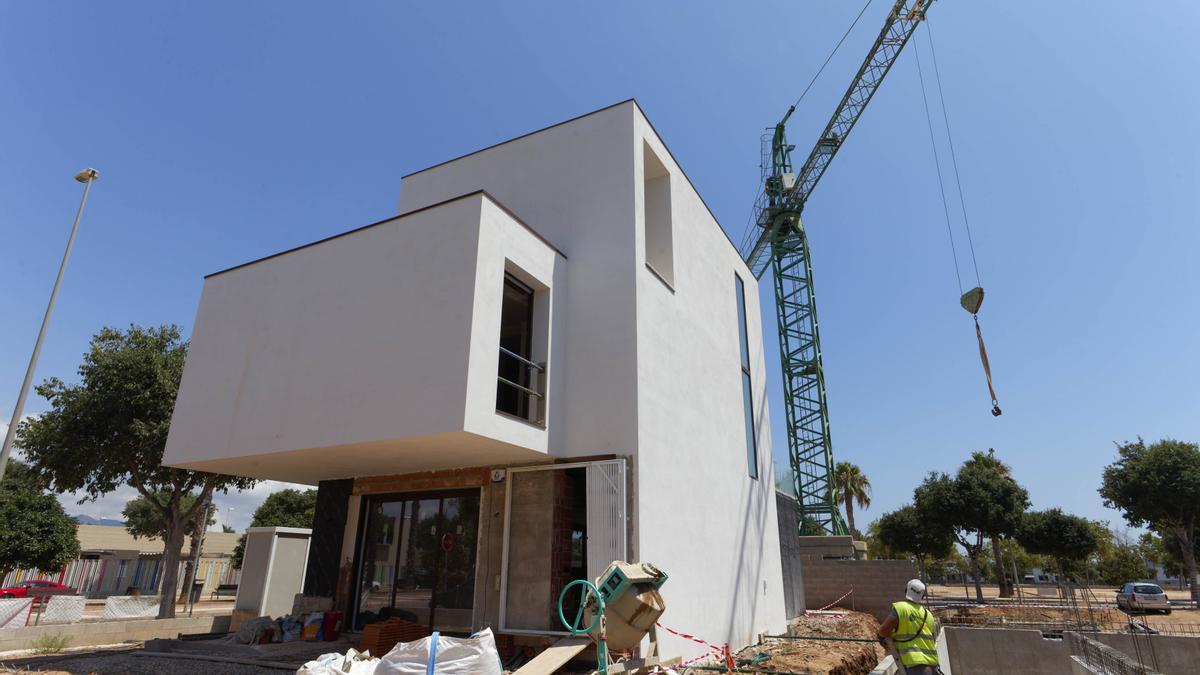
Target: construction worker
914,631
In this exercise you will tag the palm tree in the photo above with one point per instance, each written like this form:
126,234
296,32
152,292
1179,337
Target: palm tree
851,485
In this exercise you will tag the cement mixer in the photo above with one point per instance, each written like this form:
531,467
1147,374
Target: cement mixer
617,611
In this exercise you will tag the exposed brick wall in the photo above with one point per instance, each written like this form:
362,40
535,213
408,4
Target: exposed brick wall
876,583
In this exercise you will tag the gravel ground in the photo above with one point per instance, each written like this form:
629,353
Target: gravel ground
128,664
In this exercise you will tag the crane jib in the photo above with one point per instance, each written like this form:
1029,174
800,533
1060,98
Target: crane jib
781,244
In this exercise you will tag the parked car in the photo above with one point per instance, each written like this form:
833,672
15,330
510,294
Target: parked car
31,588
1142,597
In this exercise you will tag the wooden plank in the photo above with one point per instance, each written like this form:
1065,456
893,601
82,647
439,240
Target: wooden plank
555,656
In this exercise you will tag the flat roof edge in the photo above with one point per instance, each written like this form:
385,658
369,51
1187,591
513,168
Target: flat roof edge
398,216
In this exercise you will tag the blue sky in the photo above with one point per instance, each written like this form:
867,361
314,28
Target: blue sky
227,131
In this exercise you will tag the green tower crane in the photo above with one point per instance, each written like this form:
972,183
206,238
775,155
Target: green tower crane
779,242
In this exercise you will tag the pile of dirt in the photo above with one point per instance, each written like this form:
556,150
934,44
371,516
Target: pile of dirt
822,657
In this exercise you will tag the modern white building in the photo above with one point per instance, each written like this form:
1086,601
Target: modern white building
551,359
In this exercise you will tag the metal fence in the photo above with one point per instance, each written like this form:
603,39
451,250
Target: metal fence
1102,659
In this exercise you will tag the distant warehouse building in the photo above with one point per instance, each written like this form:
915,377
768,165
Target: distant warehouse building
111,562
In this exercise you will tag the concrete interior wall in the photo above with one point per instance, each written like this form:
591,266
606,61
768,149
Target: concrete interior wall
1002,651
529,550
789,555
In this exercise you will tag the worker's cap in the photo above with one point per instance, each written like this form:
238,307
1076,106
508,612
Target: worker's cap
915,590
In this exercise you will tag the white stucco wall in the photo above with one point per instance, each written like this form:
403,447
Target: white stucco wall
636,368
360,355
650,372
700,515
573,183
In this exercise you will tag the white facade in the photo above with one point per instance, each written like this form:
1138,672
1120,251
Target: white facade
375,353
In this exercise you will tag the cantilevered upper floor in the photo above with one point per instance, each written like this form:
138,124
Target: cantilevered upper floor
420,342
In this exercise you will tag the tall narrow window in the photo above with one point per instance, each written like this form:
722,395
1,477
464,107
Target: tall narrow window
747,391
656,205
516,348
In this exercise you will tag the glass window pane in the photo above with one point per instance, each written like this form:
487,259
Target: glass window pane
751,447
516,336
744,341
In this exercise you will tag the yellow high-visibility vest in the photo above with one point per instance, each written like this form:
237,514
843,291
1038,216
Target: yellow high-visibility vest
914,635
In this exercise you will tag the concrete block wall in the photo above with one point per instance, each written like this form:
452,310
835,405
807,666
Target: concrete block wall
1003,651
876,583
113,632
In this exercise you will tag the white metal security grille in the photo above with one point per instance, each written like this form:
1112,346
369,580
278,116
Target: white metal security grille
606,531
605,515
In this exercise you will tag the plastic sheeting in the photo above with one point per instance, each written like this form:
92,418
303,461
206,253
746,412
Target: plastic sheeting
350,663
131,607
475,655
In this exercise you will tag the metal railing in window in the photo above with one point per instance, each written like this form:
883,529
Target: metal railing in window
532,391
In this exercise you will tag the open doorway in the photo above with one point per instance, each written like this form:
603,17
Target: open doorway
563,522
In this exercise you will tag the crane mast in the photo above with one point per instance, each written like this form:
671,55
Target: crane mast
782,245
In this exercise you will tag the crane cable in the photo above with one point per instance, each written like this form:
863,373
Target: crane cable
835,50
970,300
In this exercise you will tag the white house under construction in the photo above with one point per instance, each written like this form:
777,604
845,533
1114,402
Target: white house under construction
551,359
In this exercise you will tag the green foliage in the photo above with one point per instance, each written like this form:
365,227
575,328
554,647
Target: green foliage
980,501
109,430
851,486
34,530
904,531
286,508
809,527
1158,486
50,643
1121,564
144,518
227,529
1068,539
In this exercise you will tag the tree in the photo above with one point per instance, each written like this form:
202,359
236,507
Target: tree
1065,538
143,518
905,531
109,430
286,508
1121,564
1163,550
989,461
851,485
1158,486
35,532
227,529
979,501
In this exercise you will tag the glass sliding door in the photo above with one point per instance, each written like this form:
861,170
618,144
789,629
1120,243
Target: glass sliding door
417,559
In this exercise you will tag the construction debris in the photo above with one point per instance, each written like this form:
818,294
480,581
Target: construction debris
825,644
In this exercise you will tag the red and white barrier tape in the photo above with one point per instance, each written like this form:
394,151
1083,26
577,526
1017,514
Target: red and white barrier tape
713,651
836,601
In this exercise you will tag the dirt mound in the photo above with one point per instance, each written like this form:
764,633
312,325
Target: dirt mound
822,657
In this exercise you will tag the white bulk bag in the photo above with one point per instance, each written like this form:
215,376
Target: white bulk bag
475,655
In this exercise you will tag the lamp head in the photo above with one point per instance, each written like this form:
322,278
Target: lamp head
86,175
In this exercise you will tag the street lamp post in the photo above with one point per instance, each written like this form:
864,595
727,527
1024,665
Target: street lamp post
86,177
